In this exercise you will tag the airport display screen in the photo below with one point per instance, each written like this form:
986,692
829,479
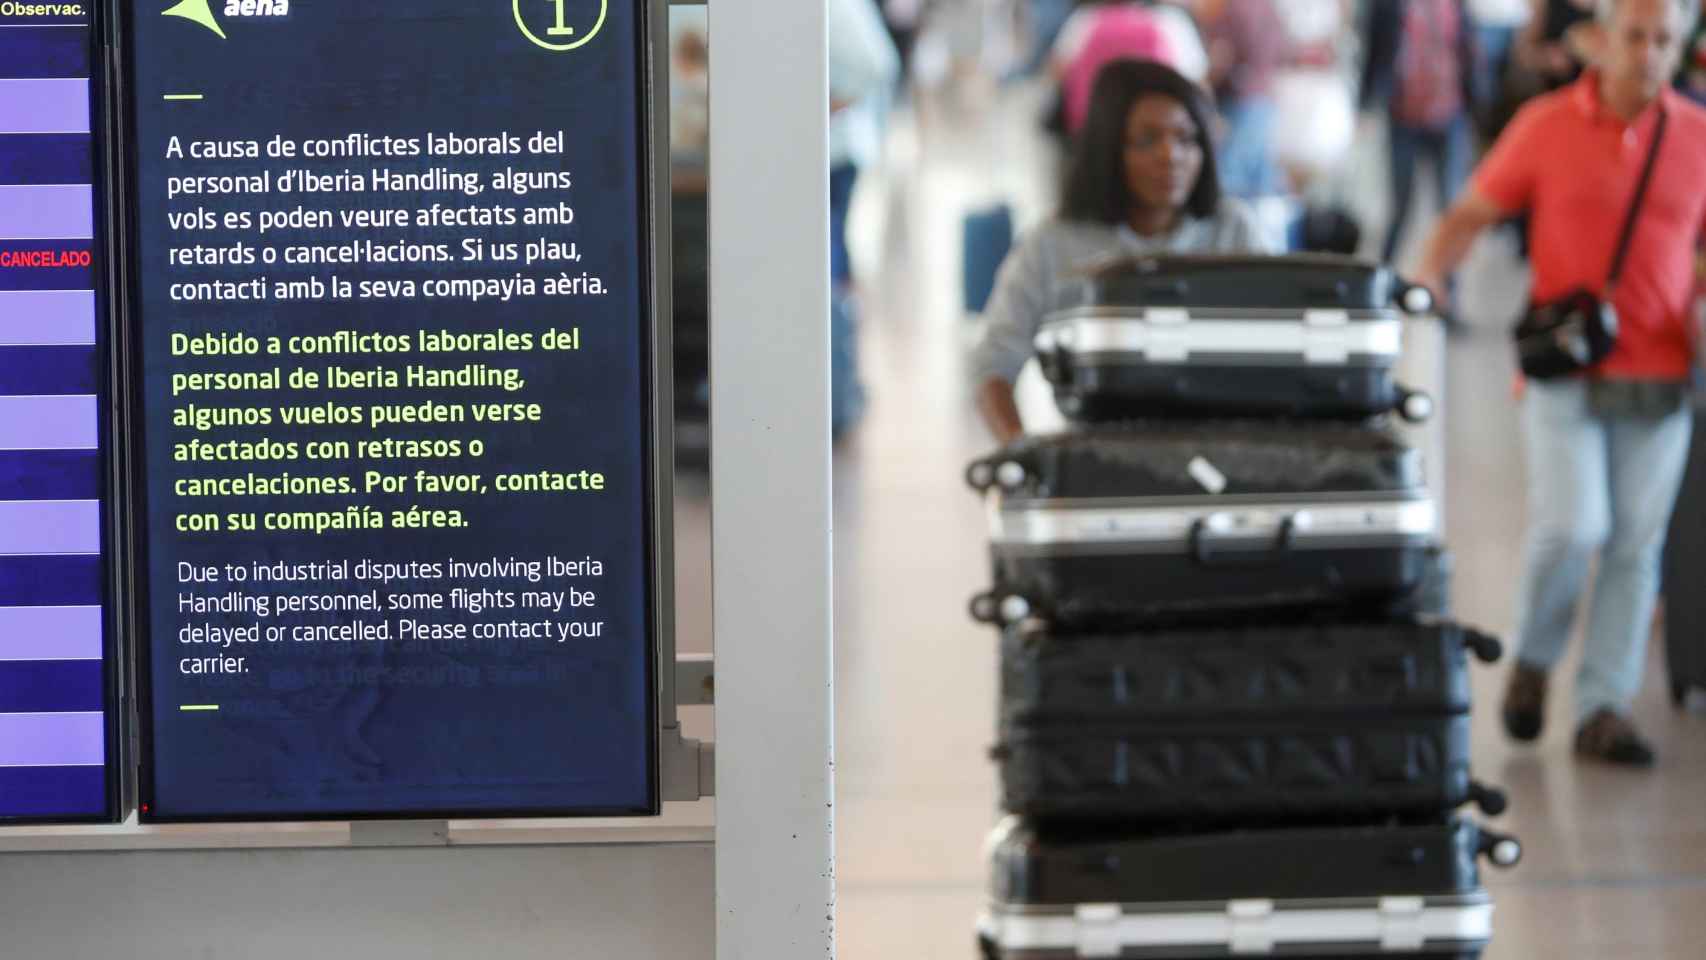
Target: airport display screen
55,700
392,303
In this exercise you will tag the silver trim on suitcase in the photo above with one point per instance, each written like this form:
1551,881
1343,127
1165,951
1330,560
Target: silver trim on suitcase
1173,335
1231,523
1449,925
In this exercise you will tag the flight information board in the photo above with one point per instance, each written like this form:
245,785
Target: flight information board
393,301
55,702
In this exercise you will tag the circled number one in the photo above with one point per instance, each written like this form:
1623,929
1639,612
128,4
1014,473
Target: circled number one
561,29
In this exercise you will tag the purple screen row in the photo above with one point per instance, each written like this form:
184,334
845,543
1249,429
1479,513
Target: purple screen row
53,683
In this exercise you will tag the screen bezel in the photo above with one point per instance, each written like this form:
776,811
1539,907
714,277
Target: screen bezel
102,274
650,39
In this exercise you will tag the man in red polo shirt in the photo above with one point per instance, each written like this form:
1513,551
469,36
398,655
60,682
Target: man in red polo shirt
1606,450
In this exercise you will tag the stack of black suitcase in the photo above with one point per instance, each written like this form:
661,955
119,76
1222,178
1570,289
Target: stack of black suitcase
1234,718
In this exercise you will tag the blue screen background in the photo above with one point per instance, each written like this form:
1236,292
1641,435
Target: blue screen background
384,728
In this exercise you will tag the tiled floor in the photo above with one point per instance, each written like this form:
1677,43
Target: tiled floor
1616,863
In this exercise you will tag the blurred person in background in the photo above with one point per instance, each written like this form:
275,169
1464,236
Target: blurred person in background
1316,30
1247,45
1692,78
1045,19
1605,451
1497,24
1142,180
863,70
1097,35
689,143
689,83
1315,128
1419,55
903,18
1101,31
1184,36
1550,46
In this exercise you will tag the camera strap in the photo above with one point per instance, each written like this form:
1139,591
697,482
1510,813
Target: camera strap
1633,218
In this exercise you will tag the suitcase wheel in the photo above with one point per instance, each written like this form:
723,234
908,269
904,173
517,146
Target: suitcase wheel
1415,406
1417,301
1011,475
1013,609
1500,850
1001,610
1493,802
984,475
1486,649
980,476
1506,853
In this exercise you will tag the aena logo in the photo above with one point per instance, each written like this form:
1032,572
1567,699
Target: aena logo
201,11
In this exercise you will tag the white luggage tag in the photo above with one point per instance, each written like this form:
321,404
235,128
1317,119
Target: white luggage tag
1207,475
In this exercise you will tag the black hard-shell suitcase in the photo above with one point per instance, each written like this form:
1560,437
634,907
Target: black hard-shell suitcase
1250,673
1685,561
1239,723
1311,335
1372,891
1293,769
1138,523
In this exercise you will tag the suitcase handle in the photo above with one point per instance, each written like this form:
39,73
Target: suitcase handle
1200,552
1334,295
1486,649
1493,802
1055,361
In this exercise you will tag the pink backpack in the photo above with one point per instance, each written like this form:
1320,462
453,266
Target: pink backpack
1120,31
1429,88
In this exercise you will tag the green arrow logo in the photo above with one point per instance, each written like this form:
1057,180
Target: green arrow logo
196,11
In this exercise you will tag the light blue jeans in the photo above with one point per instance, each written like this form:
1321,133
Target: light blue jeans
1247,166
1595,485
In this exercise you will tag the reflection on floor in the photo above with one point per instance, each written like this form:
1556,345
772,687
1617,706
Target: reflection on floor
1616,863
